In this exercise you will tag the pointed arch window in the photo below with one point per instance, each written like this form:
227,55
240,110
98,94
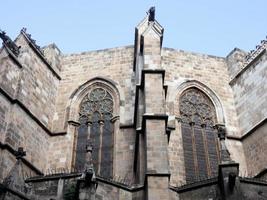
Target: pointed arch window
96,130
200,143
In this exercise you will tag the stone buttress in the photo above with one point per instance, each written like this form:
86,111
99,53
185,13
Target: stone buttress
151,115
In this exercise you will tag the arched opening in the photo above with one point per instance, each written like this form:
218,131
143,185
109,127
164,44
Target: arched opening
200,141
95,139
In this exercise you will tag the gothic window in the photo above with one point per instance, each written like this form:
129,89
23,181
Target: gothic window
96,131
200,141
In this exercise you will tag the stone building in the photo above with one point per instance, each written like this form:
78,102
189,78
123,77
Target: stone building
133,122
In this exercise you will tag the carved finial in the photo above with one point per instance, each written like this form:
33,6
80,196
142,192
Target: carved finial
9,43
3,35
24,29
151,14
20,153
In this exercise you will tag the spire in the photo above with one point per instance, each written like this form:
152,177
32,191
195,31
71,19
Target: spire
146,28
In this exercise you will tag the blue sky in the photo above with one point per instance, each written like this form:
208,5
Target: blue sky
205,26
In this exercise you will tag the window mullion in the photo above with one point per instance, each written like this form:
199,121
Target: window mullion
194,150
101,126
206,149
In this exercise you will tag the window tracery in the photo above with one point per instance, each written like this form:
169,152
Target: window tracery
96,129
200,142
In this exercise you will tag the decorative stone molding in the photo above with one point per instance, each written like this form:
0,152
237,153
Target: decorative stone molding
174,97
254,53
77,96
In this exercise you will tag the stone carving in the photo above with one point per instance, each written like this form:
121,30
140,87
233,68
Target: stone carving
224,153
196,107
151,14
20,153
98,100
254,53
9,43
23,30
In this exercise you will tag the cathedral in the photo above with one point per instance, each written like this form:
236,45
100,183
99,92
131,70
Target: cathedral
138,122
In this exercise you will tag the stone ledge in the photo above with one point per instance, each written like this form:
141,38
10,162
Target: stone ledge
53,177
168,174
16,193
195,185
153,116
250,132
261,173
30,114
253,181
129,188
151,71
24,160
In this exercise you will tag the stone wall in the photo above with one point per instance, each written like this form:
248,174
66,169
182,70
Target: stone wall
211,71
114,65
202,193
250,92
176,157
19,129
10,196
235,61
110,192
255,150
53,54
5,107
7,162
210,74
38,84
28,90
38,93
9,73
124,150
